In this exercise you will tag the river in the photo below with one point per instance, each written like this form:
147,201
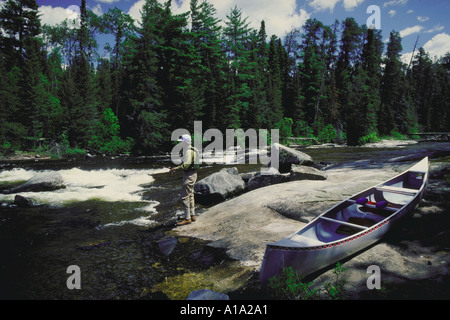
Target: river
110,220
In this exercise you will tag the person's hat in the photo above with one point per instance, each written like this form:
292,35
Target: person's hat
186,138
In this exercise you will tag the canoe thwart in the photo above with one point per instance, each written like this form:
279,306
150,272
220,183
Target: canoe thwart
398,190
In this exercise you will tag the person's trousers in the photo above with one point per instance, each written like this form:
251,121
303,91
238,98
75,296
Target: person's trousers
187,194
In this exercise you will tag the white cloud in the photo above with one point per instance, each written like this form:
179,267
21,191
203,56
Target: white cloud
107,1
54,15
436,28
392,13
406,57
97,9
409,11
411,30
438,46
135,10
279,16
322,5
394,3
423,19
349,5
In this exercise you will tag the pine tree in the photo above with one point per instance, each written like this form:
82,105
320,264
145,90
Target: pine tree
312,71
421,80
121,26
83,113
346,64
179,71
397,111
440,99
274,89
330,104
259,106
145,118
20,22
237,43
205,37
11,128
371,60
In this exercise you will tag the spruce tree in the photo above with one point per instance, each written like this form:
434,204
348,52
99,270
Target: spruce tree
397,111
83,113
371,61
238,44
205,37
143,106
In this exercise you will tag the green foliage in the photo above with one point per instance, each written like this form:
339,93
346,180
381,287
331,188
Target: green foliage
335,289
74,152
327,134
174,69
398,136
106,138
289,286
285,129
370,138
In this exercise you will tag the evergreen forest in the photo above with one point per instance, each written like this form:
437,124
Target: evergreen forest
337,83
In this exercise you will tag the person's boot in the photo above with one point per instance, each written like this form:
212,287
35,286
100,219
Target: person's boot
193,218
182,223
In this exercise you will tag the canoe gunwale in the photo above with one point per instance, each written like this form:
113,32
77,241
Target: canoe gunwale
295,246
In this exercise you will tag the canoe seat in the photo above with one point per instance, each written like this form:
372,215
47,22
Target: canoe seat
380,208
328,229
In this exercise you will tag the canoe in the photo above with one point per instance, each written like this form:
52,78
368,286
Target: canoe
348,227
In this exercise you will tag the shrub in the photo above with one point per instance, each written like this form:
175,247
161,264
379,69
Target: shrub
327,134
370,138
397,135
106,137
285,127
289,286
74,152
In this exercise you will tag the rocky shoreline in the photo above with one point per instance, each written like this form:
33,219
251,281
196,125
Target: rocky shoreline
414,256
223,249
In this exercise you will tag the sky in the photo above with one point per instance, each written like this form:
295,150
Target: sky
423,21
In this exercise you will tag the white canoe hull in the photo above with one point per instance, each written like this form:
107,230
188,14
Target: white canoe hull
307,252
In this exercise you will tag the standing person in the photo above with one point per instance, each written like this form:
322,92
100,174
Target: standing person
189,166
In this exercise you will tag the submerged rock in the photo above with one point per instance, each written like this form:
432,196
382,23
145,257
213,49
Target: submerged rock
23,202
47,181
206,294
166,245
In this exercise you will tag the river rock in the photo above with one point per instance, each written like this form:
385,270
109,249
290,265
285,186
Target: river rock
166,245
206,294
288,157
306,173
47,181
22,202
266,178
219,186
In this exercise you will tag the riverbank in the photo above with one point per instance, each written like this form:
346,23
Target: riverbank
116,220
413,259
